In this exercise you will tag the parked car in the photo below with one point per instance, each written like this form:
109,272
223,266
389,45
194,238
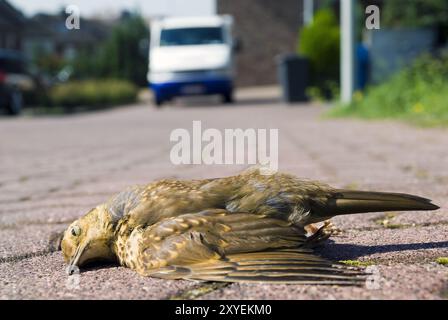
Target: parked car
15,80
192,56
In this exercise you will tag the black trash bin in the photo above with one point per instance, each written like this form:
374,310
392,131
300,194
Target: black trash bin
293,77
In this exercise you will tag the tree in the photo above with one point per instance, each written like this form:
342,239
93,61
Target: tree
415,13
319,42
123,56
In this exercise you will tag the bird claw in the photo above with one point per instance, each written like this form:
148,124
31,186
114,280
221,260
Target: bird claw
331,228
320,235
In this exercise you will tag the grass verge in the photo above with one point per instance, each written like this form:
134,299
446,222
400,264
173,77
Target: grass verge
418,94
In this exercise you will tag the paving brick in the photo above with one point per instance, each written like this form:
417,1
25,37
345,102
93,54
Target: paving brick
54,169
394,282
18,241
389,246
44,277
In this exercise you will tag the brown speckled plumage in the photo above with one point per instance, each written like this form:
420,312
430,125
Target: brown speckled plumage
246,228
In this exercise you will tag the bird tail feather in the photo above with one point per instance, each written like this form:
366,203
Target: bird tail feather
351,202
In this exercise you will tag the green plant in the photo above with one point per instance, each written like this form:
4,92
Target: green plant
415,13
315,94
319,42
45,62
123,55
93,93
418,94
357,263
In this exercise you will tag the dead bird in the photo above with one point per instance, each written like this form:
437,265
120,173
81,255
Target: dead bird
246,228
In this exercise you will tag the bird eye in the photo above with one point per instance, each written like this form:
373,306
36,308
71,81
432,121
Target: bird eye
75,231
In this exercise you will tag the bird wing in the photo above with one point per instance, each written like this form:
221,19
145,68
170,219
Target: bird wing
216,245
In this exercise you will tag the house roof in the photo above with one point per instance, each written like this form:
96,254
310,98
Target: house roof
52,26
91,31
10,17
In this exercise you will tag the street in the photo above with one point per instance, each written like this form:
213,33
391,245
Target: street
54,169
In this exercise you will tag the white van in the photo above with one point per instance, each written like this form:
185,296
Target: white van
191,56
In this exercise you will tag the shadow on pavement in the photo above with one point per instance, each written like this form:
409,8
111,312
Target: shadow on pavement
98,265
339,251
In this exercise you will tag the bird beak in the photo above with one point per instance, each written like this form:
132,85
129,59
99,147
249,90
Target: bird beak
73,265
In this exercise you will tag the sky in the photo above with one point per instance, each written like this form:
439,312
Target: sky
104,8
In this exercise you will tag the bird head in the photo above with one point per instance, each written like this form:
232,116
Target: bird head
88,239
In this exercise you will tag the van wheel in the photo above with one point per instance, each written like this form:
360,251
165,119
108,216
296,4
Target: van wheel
228,97
158,102
15,104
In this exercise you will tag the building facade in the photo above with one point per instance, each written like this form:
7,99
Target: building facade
266,30
12,25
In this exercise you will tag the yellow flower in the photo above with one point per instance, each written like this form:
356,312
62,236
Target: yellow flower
418,108
358,96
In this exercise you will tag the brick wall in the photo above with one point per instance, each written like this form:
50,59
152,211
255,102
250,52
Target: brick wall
266,28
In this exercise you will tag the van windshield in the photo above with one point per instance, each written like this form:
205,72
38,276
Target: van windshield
191,36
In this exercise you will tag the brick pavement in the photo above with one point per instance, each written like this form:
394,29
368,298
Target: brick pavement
53,169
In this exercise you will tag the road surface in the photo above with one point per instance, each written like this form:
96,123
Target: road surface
53,169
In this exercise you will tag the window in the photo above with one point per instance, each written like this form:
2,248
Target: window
191,36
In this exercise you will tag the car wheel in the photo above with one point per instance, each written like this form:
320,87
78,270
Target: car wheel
15,102
228,97
158,101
